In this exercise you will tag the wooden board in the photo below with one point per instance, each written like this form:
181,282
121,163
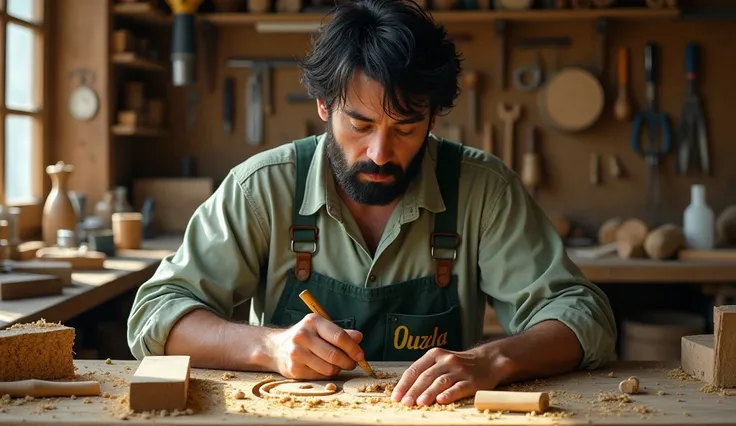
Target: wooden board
62,270
579,398
15,286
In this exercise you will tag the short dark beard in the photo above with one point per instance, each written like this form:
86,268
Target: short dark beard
371,193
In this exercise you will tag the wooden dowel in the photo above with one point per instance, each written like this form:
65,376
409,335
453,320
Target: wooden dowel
511,401
45,388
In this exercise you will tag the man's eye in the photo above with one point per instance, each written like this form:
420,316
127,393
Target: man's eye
359,129
405,132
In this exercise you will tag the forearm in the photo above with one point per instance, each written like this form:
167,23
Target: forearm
213,342
546,349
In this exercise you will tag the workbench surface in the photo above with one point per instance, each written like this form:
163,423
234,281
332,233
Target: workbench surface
668,397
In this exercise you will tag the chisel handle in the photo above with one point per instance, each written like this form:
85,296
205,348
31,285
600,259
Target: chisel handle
650,62
691,60
45,388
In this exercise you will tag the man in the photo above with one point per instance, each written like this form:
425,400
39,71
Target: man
398,234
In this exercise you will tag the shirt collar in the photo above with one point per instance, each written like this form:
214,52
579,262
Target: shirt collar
423,192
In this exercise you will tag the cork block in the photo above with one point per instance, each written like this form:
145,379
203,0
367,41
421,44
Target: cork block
39,350
712,357
160,383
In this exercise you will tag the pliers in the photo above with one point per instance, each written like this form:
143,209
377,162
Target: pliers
692,128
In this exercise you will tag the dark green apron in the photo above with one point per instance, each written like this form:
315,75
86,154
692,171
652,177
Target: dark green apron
400,321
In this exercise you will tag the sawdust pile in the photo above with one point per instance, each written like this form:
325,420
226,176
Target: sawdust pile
42,323
680,374
381,387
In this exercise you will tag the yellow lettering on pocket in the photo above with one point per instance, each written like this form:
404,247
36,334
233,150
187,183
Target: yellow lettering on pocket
404,339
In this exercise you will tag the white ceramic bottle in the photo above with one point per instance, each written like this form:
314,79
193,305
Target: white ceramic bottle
699,221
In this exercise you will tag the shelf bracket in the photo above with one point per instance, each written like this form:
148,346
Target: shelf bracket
500,29
208,31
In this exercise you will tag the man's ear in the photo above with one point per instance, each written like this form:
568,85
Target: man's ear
322,110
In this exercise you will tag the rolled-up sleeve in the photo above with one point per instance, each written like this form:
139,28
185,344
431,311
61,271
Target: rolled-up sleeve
216,268
525,269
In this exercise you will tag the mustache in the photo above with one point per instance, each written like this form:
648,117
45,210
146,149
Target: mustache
371,167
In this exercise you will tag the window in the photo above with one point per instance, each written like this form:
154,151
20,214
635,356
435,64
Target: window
21,91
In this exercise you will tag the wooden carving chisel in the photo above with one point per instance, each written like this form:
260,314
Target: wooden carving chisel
46,388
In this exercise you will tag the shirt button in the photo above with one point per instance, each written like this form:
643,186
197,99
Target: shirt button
372,277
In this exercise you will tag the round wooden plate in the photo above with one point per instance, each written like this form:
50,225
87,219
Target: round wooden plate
572,100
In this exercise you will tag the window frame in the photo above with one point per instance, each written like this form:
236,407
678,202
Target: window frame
30,209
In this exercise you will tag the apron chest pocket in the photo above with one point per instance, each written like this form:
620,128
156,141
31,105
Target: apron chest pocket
296,316
408,337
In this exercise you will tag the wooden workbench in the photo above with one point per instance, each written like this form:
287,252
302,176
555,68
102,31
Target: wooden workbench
127,270
578,398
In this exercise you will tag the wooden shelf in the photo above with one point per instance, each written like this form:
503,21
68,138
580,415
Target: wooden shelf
132,60
141,12
128,130
224,19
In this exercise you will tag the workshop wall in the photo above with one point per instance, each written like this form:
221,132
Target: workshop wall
566,189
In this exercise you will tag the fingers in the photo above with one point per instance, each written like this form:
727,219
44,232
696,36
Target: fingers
416,372
338,337
355,335
423,382
459,390
331,355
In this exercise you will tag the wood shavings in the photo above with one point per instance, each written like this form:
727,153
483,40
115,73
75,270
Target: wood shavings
227,376
238,395
108,361
36,324
630,385
680,374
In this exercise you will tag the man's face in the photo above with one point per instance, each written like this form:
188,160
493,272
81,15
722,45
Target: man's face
374,156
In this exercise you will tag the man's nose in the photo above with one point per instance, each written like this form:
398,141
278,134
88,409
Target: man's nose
379,149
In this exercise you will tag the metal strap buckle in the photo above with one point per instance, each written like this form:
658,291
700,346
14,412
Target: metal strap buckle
303,227
444,234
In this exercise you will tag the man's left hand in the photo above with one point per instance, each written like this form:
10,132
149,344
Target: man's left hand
445,376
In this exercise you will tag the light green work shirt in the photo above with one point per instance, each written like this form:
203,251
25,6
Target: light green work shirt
236,248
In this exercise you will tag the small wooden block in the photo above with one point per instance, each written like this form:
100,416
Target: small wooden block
62,270
89,260
712,357
698,356
14,286
160,383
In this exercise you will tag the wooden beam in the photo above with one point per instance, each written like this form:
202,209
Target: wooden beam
160,383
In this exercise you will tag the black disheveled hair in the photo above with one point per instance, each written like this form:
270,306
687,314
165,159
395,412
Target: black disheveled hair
395,43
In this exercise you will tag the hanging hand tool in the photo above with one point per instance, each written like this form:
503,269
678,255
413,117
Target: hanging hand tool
509,116
621,109
654,121
471,82
692,131
228,104
531,168
529,77
183,59
488,137
500,27
260,70
254,107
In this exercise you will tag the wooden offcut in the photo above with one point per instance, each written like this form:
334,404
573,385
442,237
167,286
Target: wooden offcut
62,270
39,350
160,383
24,286
712,357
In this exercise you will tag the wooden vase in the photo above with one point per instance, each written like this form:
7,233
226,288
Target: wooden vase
58,211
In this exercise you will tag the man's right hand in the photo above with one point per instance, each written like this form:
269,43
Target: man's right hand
314,349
